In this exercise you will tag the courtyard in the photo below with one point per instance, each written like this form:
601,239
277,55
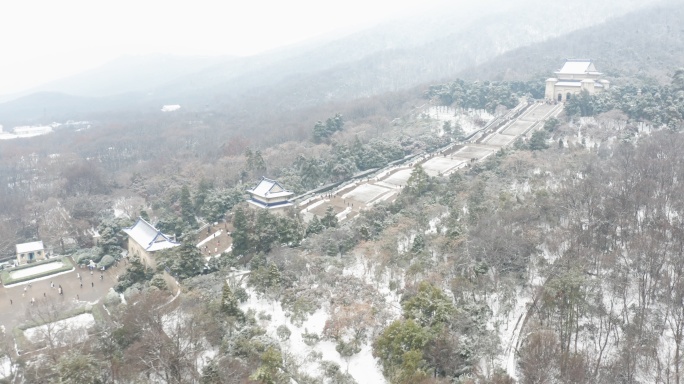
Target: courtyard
80,287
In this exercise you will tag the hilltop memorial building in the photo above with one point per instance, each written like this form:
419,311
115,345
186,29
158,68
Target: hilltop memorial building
577,75
144,239
269,194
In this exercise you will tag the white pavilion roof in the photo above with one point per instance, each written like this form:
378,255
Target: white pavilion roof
577,67
30,247
269,188
149,237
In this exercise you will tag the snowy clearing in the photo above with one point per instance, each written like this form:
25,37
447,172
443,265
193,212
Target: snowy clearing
5,367
38,269
362,366
170,108
63,332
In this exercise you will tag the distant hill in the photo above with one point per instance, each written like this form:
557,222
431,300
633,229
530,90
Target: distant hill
131,73
393,56
44,105
641,46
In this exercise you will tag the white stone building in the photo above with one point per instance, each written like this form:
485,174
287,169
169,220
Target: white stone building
576,76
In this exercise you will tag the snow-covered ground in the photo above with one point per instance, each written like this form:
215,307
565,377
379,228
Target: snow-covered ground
25,132
209,238
170,108
5,367
66,331
507,320
38,269
362,366
128,207
466,119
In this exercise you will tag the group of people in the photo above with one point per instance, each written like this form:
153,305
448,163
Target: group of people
59,288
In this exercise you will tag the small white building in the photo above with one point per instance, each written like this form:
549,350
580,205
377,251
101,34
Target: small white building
30,252
269,194
144,239
577,75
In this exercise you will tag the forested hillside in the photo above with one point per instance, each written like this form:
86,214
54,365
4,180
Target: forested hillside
555,257
624,49
434,45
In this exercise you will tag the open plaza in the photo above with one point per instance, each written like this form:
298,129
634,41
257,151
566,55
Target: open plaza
79,287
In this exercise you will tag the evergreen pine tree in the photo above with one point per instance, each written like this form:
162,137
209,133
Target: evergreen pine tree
269,372
144,215
419,181
315,226
187,208
240,234
330,219
418,244
266,230
210,374
186,261
229,303
273,278
202,193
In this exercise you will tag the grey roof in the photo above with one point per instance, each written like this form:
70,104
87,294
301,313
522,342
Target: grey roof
30,247
269,188
149,237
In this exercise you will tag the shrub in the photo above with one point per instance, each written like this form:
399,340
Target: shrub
159,282
283,332
107,261
82,256
310,339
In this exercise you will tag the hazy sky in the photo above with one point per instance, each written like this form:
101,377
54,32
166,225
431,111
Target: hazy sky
49,39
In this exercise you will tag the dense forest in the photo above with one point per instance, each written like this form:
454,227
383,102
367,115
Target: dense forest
572,243
557,258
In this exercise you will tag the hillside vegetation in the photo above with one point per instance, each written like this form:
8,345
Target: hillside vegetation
555,259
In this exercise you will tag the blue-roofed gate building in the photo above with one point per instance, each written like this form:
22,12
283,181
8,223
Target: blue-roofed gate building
269,194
